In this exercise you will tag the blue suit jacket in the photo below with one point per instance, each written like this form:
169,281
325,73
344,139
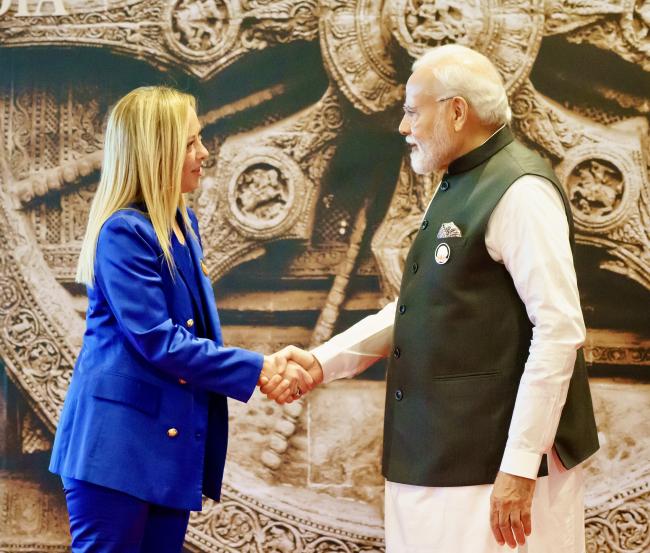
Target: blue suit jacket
146,409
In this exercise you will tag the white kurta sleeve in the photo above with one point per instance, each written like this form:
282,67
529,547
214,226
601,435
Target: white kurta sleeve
354,350
528,232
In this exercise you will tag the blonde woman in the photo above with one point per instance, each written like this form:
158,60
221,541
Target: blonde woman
143,431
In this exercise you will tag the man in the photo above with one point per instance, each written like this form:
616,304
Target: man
487,391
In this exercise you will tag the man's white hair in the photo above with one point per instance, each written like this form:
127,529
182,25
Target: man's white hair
464,72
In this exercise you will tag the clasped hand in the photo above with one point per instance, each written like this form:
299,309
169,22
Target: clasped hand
289,374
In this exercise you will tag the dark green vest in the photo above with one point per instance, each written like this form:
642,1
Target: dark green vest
462,336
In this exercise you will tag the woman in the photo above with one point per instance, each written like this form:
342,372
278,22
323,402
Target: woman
143,430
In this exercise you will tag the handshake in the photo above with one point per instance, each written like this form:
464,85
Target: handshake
289,374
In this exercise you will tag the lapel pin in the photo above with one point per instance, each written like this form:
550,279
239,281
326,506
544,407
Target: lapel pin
443,252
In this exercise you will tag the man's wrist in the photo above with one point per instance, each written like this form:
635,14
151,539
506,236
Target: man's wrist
519,462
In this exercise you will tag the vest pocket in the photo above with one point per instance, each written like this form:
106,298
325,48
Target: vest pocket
464,376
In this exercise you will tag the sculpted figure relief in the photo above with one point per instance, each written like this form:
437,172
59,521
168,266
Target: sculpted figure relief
50,146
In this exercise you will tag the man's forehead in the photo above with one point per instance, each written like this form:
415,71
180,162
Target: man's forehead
420,83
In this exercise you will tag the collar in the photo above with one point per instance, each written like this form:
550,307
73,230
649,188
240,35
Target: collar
499,140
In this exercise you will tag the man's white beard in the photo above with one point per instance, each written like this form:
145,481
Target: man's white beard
429,157
421,162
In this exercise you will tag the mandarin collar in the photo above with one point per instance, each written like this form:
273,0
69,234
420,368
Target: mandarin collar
485,151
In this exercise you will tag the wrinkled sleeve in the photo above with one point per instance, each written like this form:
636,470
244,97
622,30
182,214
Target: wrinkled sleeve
528,232
128,271
354,350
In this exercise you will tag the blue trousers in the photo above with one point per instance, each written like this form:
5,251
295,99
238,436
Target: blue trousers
103,520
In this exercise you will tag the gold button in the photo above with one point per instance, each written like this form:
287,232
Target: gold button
204,268
182,381
190,323
172,432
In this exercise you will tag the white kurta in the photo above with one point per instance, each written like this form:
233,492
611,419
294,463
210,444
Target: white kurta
528,233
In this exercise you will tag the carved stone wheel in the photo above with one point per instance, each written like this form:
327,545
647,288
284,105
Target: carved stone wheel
306,477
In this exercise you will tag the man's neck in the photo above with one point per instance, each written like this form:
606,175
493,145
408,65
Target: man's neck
478,138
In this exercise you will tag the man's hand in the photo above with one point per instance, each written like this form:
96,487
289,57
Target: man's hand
302,374
510,505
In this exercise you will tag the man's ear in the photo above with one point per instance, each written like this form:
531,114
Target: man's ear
460,112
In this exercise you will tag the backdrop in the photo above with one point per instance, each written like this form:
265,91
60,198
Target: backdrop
306,211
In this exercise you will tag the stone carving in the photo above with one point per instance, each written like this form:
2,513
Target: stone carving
32,518
423,24
622,27
509,32
353,52
279,22
626,527
619,355
261,195
200,25
40,184
33,436
241,524
565,16
595,188
264,187
392,240
272,187
202,36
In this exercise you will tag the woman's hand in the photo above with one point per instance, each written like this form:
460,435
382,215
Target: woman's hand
297,373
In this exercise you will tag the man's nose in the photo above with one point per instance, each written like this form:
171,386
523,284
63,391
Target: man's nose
404,127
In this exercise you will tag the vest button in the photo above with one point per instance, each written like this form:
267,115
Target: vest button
402,309
397,352
424,224
172,432
444,185
182,381
414,267
399,395
190,323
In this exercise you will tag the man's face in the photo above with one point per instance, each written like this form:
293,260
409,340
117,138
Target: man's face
427,123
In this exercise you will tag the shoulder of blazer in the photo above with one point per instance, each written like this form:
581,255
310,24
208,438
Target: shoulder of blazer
133,221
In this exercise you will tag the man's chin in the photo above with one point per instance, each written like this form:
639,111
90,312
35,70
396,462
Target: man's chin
420,167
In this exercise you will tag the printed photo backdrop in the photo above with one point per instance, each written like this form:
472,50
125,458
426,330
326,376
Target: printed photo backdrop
306,211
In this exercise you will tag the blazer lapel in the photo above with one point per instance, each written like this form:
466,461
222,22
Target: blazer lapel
186,274
205,287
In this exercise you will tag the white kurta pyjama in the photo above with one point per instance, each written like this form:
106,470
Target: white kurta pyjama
528,233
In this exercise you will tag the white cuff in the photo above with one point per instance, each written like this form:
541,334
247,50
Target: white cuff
325,353
521,463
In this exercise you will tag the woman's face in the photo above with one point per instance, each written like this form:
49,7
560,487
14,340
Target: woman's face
194,155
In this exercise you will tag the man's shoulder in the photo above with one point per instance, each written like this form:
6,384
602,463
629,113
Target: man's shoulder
527,160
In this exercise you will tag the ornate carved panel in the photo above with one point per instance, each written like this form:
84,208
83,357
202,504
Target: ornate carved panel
271,188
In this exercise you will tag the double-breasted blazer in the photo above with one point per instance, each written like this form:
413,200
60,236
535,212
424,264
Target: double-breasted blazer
146,410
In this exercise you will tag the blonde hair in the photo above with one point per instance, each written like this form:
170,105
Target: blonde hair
144,152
